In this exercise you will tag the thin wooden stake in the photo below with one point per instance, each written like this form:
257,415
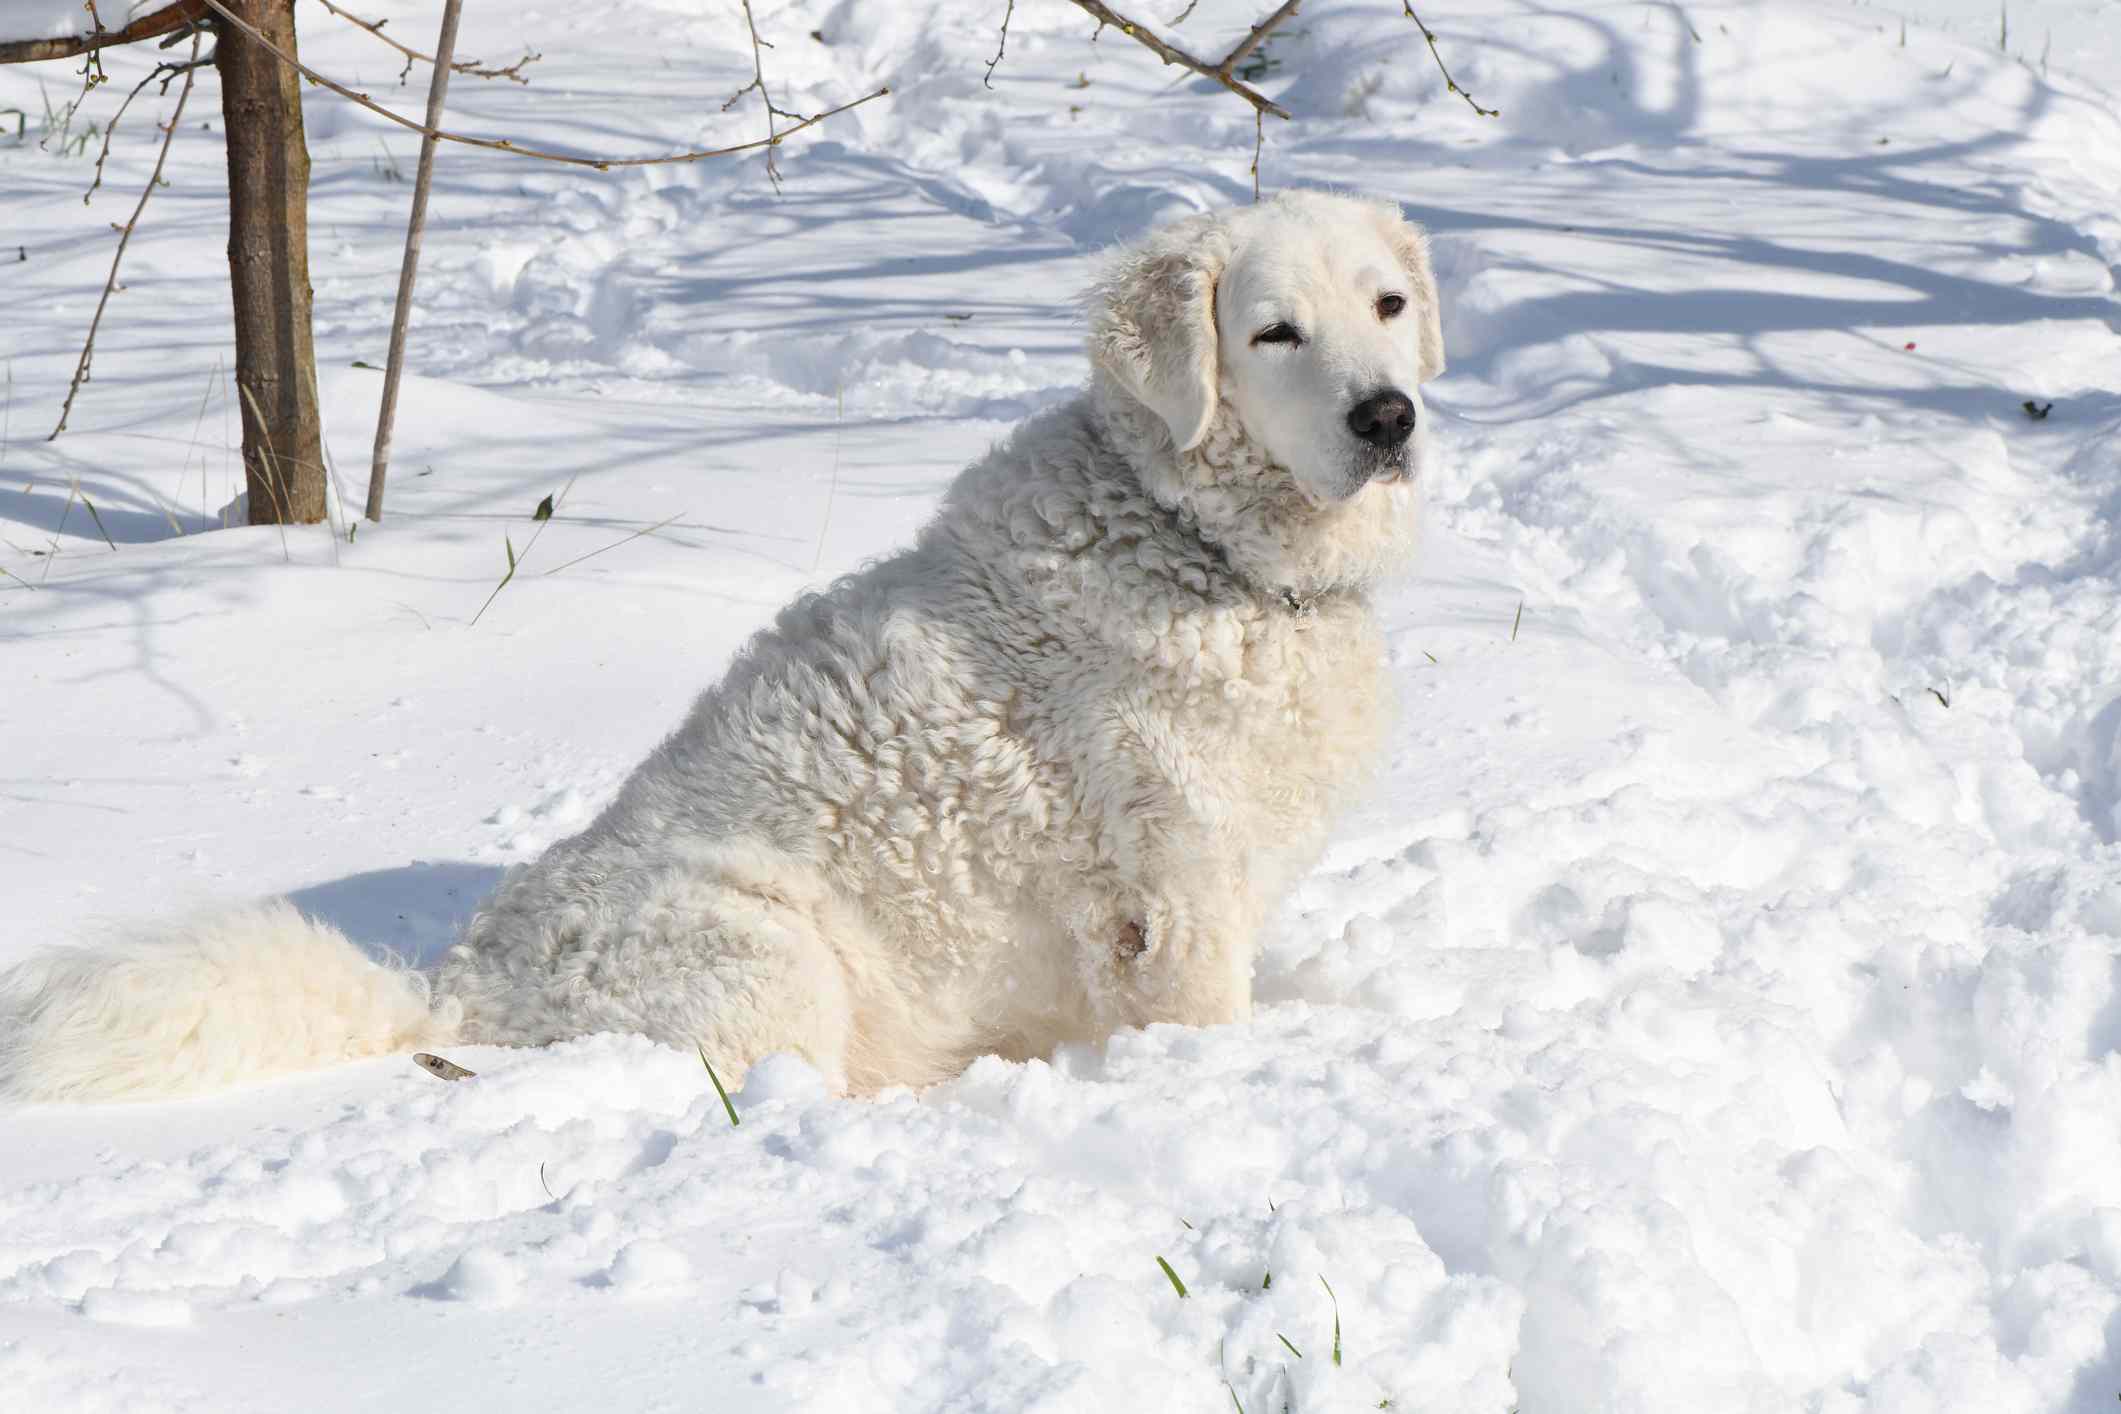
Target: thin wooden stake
437,89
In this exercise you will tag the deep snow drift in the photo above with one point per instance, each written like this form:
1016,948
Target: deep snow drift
1714,1007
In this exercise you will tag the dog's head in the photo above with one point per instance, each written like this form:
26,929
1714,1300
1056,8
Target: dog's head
1310,319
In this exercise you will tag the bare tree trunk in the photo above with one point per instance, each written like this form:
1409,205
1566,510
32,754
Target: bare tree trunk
268,263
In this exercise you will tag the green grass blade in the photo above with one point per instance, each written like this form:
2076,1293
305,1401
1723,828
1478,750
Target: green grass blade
1176,1285
114,544
717,1081
1336,1315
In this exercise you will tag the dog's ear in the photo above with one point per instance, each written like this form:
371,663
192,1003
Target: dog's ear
1411,244
1152,323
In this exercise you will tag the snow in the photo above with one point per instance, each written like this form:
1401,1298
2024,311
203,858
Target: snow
1714,1006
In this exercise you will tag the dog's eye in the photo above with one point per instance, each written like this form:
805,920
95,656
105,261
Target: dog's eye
1278,334
1388,306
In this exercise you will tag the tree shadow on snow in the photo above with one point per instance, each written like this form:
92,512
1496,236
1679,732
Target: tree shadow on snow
1944,233
2098,1385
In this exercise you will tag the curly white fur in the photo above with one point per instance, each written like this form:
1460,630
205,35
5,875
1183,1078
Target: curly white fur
1041,775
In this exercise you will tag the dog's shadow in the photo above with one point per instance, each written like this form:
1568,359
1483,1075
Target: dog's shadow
411,913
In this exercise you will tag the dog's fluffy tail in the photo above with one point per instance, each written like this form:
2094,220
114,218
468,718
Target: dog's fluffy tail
224,998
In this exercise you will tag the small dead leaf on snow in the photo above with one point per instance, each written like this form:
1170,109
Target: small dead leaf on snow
442,1069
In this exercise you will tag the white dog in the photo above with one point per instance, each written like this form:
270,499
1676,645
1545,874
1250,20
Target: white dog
1042,775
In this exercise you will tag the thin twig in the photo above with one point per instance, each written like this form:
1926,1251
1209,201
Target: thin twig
331,470
513,72
1223,72
758,81
1003,47
198,422
164,507
228,443
167,73
602,164
125,234
1259,142
1448,82
92,63
648,530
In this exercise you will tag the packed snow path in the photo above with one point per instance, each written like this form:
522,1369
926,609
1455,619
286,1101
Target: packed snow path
1714,1008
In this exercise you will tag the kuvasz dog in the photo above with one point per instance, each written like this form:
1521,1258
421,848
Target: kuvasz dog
1042,775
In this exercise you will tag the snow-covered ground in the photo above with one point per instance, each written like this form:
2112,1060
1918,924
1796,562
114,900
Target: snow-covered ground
1715,1007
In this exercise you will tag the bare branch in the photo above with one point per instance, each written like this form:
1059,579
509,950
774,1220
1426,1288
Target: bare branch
176,17
758,81
1222,73
167,72
1448,82
1003,47
513,72
92,74
125,234
1257,37
92,65
602,164
1259,142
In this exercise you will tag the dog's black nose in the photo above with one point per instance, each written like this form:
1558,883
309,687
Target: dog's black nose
1385,419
